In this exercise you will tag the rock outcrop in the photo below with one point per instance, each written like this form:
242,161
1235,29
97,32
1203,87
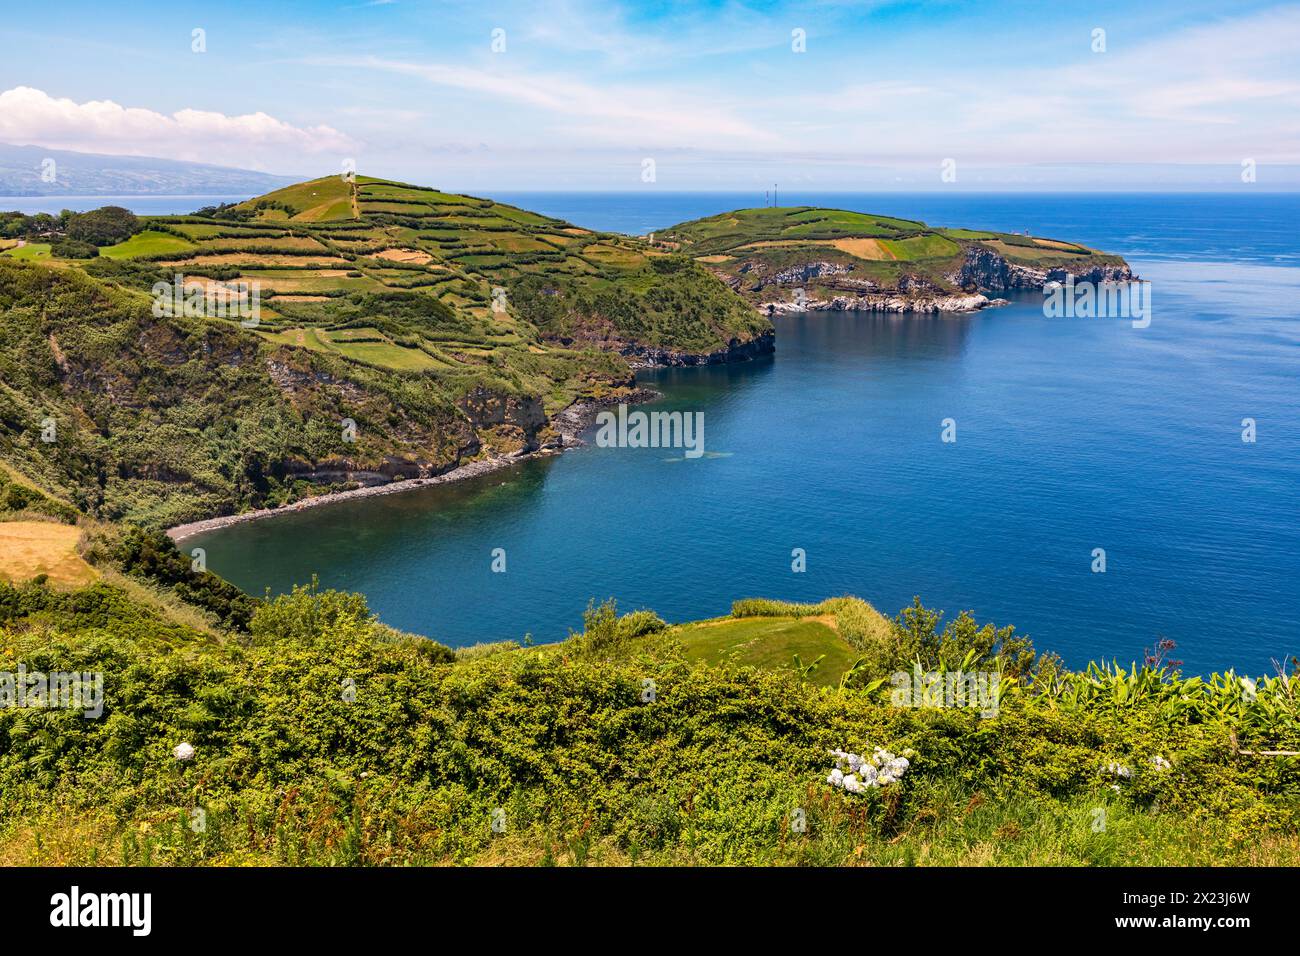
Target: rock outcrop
985,269
982,271
887,302
644,356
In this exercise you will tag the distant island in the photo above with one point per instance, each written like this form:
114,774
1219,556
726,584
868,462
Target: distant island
29,171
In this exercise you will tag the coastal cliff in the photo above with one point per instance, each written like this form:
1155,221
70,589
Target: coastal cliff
800,259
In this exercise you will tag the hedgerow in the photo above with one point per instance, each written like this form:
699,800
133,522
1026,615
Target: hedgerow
320,739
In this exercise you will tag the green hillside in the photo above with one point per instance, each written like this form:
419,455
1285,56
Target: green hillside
765,253
444,328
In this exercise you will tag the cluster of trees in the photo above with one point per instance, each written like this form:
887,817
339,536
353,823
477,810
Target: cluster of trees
72,235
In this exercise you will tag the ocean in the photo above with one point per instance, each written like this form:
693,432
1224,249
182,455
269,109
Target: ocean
1073,435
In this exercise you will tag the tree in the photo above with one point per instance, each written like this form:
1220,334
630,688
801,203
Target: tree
103,227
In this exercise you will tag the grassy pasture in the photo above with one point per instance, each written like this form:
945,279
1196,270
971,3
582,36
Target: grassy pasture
770,643
315,201
29,548
147,243
32,250
921,247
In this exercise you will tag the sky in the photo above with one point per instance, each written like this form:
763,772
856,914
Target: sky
611,95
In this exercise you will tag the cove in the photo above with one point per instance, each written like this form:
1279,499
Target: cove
1073,434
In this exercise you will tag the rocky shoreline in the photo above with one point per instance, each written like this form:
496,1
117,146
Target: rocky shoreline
888,302
736,350
981,269
570,423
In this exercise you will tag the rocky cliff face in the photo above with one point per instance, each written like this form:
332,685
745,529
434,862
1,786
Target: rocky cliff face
487,421
644,356
981,269
985,269
887,302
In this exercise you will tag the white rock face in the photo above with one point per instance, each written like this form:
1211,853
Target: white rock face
887,302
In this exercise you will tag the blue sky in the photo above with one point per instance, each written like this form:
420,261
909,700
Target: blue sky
715,94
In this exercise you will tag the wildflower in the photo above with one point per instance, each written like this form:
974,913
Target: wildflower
1160,763
1119,770
881,769
183,751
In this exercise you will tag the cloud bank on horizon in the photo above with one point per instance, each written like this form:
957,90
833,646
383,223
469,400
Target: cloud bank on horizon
719,95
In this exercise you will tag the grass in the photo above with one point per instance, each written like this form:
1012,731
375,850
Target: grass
387,354
953,828
32,250
318,200
29,548
147,243
364,345
770,643
921,247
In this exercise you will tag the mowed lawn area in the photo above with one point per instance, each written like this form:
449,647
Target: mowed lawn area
29,548
770,643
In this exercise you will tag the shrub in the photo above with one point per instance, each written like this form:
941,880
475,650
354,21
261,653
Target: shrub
639,623
72,249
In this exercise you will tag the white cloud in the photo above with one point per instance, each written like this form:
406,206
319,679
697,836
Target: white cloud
602,114
253,140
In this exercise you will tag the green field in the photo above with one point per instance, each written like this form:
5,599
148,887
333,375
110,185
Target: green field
147,243
32,250
922,247
771,643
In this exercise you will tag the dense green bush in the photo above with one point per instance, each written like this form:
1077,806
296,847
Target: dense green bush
321,740
73,249
15,498
154,556
105,226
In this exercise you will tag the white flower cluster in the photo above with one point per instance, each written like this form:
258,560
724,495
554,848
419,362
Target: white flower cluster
1160,763
857,774
1119,770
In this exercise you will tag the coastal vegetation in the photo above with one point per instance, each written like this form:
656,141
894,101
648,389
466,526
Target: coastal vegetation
399,331
319,736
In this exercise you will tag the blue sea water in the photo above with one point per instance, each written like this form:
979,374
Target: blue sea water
1072,435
